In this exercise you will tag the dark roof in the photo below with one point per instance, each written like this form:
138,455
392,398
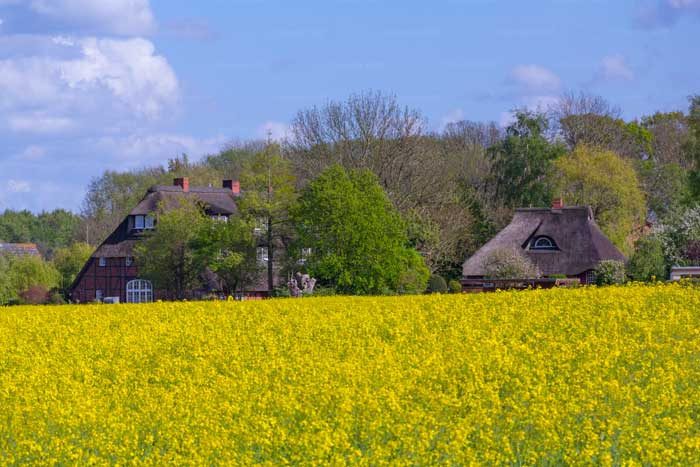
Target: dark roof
19,249
215,200
581,244
121,242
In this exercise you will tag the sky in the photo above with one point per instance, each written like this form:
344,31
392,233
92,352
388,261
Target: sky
94,85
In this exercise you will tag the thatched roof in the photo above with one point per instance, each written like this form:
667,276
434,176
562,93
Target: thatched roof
581,244
121,242
215,200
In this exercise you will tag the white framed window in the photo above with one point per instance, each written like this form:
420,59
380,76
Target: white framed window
219,218
590,277
144,222
260,225
98,295
543,243
305,254
262,254
128,260
102,262
139,291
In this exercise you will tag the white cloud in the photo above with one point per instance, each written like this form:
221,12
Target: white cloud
535,78
32,153
114,17
664,13
614,68
18,186
105,79
277,131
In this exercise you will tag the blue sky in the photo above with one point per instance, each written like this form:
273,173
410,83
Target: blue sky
89,85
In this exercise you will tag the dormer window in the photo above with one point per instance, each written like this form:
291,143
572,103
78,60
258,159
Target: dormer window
543,243
144,222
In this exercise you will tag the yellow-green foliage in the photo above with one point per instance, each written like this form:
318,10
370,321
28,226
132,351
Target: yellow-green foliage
605,376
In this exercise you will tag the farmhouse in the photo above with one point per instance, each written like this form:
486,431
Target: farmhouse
561,241
19,249
111,274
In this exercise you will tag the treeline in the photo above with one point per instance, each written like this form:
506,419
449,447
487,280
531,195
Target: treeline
455,188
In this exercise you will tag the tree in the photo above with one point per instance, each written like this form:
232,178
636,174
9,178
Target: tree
229,250
669,132
437,284
18,274
609,184
269,186
523,161
692,145
648,261
358,240
68,261
586,119
509,263
167,255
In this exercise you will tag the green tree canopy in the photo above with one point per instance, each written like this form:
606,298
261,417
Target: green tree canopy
523,160
609,184
358,240
19,273
68,261
167,255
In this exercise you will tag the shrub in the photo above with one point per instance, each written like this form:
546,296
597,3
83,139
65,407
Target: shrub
437,284
647,261
509,263
35,295
454,286
610,272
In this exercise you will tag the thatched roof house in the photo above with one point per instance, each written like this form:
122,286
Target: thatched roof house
559,241
112,273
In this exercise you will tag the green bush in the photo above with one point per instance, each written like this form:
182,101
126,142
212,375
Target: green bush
610,272
437,284
454,286
647,263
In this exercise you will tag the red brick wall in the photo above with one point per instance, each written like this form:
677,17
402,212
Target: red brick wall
110,278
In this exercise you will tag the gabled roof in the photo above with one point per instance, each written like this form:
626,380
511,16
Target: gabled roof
215,200
19,249
120,243
581,244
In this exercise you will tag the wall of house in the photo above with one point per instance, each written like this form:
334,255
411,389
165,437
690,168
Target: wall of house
111,279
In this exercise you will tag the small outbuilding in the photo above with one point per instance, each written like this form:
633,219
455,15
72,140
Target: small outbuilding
685,272
560,241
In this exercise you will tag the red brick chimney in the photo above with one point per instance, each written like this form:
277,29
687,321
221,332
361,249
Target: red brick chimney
233,185
557,203
183,183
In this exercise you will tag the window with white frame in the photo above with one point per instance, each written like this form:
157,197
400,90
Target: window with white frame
590,277
98,295
260,225
305,254
543,243
219,217
144,222
128,260
102,262
262,254
139,291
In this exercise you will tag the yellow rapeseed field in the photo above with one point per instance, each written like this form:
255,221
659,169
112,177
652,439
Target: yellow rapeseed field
602,376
